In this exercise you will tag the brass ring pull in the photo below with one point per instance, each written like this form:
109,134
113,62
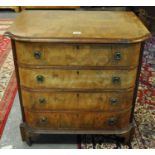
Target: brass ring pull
37,54
40,78
112,121
116,80
42,101
114,101
43,120
117,56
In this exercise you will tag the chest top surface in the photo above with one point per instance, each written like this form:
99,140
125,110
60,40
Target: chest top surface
79,26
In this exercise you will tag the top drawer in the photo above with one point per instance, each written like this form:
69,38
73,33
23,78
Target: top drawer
48,54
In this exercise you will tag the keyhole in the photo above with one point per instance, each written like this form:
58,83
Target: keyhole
77,95
77,47
77,72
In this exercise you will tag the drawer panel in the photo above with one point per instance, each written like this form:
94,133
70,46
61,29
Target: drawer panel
78,120
78,55
106,79
107,101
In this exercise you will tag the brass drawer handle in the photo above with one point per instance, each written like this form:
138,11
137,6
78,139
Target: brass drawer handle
117,56
42,101
112,121
116,80
43,120
37,54
40,78
114,101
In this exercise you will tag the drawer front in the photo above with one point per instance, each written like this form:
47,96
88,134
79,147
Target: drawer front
106,79
107,101
78,120
78,55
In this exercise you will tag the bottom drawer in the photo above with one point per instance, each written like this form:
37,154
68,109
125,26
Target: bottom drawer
78,120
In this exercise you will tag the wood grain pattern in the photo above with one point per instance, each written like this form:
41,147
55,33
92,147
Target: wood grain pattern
77,54
77,78
68,87
81,26
77,120
52,101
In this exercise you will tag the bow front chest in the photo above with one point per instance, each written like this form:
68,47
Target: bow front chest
77,71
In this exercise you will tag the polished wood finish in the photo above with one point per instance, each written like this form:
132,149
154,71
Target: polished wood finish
78,120
77,54
77,73
79,26
86,101
87,79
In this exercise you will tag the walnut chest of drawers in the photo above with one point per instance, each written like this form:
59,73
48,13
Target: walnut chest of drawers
77,71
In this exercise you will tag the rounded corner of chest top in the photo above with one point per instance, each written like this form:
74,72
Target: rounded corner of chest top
146,37
141,39
12,36
9,35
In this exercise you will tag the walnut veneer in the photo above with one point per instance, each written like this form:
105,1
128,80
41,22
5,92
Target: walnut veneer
77,71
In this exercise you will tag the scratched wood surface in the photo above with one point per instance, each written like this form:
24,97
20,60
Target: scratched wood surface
77,54
109,26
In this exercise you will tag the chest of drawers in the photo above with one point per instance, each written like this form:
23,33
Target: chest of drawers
77,71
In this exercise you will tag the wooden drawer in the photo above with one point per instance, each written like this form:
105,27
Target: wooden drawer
106,79
78,55
107,101
78,120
